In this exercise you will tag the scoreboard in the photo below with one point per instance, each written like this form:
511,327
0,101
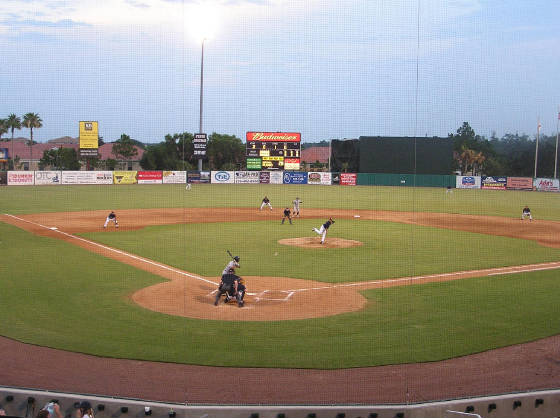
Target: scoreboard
273,150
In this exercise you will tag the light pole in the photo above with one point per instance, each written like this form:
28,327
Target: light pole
537,146
556,149
201,97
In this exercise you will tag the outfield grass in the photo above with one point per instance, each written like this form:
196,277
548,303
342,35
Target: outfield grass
34,199
389,249
58,295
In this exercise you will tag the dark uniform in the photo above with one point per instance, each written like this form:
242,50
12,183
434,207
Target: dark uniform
287,214
233,286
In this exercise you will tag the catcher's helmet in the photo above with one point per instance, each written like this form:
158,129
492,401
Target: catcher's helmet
236,258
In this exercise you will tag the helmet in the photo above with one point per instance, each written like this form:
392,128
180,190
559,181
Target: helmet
236,258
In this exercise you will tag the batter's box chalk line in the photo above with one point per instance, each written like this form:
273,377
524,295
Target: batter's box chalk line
265,295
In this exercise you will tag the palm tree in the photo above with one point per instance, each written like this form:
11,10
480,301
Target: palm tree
14,122
3,127
31,120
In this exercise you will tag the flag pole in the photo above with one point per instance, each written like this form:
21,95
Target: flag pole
556,153
537,145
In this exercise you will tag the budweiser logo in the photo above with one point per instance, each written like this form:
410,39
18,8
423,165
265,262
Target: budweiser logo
273,136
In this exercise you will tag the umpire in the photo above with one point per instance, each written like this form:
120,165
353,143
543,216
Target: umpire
233,286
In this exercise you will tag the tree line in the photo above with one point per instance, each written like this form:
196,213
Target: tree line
511,155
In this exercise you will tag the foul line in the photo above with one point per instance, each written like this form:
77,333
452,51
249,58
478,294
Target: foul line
485,272
135,257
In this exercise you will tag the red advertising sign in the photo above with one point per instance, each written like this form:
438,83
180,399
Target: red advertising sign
348,179
274,136
520,183
149,177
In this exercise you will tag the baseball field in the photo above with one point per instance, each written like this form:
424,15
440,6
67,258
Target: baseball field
407,275
308,306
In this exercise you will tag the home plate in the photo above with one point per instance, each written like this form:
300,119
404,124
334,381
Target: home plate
53,228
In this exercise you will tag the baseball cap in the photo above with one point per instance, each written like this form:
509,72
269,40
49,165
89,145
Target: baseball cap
85,405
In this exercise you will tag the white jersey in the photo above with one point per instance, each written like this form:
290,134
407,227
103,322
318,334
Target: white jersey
232,265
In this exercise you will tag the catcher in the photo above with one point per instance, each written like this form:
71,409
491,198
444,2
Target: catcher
234,288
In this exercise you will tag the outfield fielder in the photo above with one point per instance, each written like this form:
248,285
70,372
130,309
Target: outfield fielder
323,230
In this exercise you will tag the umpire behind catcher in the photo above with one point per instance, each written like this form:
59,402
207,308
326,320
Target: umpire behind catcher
233,286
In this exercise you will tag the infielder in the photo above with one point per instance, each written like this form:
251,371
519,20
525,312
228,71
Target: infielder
296,206
323,230
112,217
266,202
526,212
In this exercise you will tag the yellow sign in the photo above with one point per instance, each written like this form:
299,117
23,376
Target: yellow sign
89,135
124,177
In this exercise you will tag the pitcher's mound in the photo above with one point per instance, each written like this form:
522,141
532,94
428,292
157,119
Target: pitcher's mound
315,242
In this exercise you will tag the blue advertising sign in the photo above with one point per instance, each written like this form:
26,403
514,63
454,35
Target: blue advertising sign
295,177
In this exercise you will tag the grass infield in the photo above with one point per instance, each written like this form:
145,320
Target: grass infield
58,295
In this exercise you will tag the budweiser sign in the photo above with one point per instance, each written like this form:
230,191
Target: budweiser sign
274,136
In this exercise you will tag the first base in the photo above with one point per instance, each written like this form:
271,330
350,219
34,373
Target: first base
356,216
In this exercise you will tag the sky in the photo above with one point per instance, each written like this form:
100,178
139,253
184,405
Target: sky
325,68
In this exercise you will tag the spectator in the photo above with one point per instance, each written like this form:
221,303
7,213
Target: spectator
53,410
2,413
84,410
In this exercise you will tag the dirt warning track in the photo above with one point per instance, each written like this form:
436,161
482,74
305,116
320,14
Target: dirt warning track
272,298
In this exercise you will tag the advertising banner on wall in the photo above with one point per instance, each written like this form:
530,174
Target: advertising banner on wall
547,185
223,177
295,177
467,182
47,178
348,179
124,177
493,183
21,178
198,176
149,177
174,177
3,155
264,177
321,178
276,177
520,183
252,177
87,177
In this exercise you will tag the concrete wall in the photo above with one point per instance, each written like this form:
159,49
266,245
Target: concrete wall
16,402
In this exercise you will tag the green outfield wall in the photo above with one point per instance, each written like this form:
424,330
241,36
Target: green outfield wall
410,180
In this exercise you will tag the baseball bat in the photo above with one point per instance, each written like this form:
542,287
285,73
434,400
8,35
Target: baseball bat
230,255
